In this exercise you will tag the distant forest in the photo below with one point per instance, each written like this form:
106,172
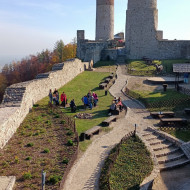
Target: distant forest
29,67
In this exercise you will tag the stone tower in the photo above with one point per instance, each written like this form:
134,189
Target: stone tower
141,29
104,19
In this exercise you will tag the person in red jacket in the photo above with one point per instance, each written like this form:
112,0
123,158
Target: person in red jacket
63,99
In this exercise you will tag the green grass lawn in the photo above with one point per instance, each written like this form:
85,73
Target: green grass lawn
129,169
159,100
184,135
141,68
79,87
168,64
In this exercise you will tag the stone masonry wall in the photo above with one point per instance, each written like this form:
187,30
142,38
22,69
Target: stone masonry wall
104,19
90,50
142,37
19,98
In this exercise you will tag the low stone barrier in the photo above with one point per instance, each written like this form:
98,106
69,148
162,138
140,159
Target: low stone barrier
148,181
20,98
167,136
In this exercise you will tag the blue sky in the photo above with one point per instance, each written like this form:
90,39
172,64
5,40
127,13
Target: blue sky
29,26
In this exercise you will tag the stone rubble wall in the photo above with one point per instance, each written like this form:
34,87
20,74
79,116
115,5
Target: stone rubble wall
143,38
14,109
90,50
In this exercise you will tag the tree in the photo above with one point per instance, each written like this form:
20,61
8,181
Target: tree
3,85
59,47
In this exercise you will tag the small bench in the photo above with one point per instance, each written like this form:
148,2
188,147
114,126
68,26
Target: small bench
93,131
107,80
187,111
170,121
162,114
109,120
111,76
103,85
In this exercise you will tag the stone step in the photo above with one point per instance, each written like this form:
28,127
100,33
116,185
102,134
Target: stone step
157,141
151,137
58,66
171,157
42,76
166,151
146,134
174,164
155,138
162,146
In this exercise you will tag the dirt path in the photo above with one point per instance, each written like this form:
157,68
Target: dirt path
86,171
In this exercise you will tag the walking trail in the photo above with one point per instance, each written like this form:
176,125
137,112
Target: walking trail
86,171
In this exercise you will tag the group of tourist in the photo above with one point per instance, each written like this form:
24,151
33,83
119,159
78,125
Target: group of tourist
90,100
116,104
54,98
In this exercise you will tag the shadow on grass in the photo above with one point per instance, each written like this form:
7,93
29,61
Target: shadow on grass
100,114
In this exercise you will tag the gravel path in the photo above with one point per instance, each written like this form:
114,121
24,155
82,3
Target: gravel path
86,171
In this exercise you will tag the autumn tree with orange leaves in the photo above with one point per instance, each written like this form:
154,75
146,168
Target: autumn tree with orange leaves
29,67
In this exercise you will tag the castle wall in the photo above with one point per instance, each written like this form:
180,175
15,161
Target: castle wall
19,98
109,54
88,51
143,38
104,20
173,49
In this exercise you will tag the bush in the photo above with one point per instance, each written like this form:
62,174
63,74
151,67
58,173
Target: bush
30,145
5,164
69,133
46,150
53,179
16,159
28,158
27,175
56,116
35,105
70,143
48,122
62,122
65,161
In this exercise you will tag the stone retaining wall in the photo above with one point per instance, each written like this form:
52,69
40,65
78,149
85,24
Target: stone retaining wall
19,98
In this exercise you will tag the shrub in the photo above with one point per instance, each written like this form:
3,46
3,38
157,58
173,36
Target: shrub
28,126
62,122
30,145
36,134
28,158
70,142
56,116
5,164
46,150
16,159
69,133
35,105
48,122
53,179
65,161
27,175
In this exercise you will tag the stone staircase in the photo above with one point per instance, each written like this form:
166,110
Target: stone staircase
168,154
42,76
121,59
58,66
13,96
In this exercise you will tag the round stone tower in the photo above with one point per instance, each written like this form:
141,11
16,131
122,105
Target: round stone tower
141,29
104,19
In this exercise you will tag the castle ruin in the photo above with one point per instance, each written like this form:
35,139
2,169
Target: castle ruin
142,37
